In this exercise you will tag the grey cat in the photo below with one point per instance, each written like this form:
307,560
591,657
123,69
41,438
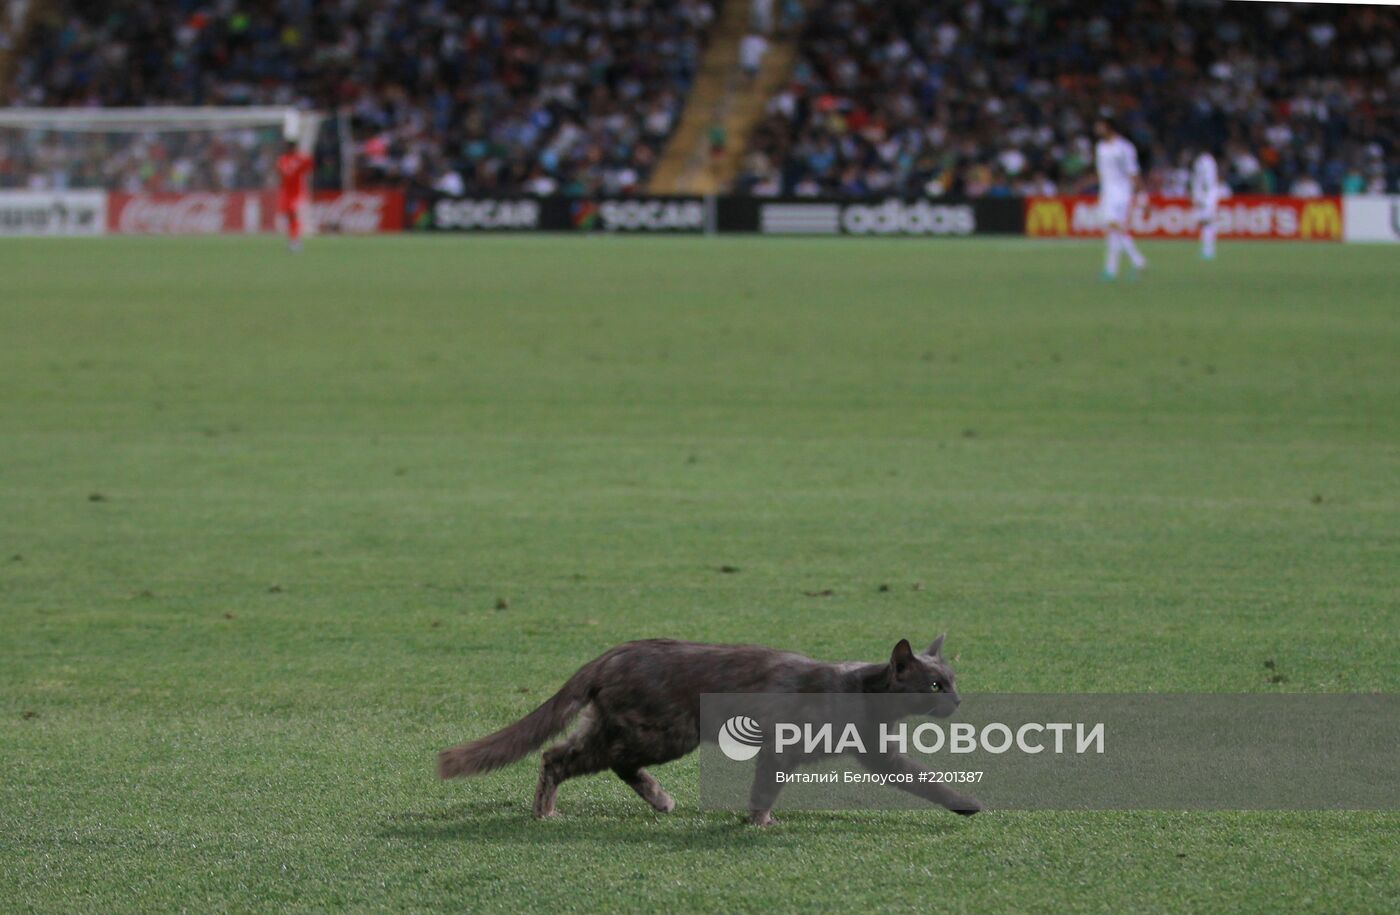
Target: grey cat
639,705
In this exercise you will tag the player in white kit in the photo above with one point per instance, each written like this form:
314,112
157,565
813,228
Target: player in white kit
1205,199
1119,183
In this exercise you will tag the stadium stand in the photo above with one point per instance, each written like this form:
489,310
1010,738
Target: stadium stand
994,97
964,97
500,95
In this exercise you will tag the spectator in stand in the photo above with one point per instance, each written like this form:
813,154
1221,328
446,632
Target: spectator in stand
980,97
761,16
752,48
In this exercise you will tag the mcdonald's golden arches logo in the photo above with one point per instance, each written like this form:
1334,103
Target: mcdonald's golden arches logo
1046,216
1320,219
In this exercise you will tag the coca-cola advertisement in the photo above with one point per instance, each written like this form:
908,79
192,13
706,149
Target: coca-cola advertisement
190,214
214,213
357,212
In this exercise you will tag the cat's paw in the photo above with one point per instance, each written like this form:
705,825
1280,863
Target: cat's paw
761,818
966,806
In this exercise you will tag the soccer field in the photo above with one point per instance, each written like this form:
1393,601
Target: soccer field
274,529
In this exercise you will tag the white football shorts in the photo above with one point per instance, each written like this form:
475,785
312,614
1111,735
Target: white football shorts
1113,207
1205,208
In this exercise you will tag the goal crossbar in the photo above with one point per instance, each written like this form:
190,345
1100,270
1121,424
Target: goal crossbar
297,124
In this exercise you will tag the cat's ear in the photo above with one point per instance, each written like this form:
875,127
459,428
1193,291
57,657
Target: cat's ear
936,649
902,656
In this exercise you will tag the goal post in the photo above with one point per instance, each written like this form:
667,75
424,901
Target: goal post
152,149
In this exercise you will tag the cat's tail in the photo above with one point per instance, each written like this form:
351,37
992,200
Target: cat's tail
517,740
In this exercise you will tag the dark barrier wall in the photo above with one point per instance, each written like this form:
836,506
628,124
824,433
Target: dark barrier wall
1243,216
670,215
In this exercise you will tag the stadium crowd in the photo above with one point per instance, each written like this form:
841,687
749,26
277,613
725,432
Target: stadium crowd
996,97
967,97
575,96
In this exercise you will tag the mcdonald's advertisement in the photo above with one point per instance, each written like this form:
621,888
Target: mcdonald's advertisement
1243,217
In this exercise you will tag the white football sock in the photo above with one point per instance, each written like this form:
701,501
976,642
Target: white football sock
1208,239
1133,253
1110,261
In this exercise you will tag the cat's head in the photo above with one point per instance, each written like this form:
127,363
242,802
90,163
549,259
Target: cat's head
926,673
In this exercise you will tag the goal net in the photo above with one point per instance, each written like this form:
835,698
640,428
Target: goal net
155,150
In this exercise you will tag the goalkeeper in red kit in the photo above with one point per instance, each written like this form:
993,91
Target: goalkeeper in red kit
292,168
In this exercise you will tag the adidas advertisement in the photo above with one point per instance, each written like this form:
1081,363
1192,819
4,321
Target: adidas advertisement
891,218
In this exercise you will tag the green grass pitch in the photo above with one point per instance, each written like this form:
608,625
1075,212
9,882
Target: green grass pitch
257,513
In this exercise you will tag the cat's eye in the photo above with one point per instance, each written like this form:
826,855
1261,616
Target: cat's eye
937,688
